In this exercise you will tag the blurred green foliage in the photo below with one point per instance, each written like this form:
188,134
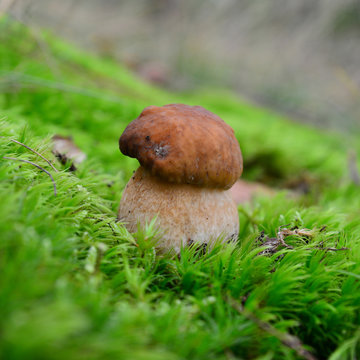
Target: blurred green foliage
347,19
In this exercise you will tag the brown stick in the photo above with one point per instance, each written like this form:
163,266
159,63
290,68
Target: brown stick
288,340
35,152
332,249
39,167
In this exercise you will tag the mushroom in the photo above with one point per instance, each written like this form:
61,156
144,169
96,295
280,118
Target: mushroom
189,158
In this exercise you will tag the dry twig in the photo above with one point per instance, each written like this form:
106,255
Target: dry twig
39,167
286,339
35,152
272,244
332,249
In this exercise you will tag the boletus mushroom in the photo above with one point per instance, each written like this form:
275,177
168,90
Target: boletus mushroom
189,158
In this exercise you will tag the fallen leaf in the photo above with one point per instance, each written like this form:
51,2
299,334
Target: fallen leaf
65,150
244,191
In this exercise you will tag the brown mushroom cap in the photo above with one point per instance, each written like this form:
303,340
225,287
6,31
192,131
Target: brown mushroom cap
184,144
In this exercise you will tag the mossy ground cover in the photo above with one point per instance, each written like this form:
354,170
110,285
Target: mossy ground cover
75,284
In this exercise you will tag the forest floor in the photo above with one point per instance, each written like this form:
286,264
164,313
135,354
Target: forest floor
75,284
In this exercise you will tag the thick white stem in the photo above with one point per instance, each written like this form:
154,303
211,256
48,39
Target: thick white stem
185,213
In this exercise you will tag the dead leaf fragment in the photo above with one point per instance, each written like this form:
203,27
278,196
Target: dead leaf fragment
65,150
244,191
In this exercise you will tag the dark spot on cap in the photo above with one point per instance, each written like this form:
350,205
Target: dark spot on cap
147,138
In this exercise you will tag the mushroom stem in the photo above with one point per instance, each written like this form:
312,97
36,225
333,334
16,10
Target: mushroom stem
185,213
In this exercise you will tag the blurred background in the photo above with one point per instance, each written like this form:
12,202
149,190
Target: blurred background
299,57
